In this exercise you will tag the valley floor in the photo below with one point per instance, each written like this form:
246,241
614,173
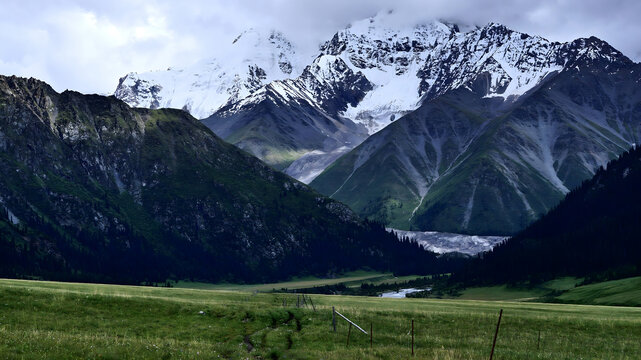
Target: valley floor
350,279
52,320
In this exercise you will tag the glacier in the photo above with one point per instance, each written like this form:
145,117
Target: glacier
442,242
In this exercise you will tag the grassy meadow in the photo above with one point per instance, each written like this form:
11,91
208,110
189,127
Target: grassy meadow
350,279
49,320
623,292
504,292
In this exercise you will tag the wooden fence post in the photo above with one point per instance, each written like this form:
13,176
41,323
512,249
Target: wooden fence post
496,334
538,343
334,318
349,332
371,335
412,337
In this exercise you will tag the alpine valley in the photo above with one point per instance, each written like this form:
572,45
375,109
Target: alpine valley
271,202
433,127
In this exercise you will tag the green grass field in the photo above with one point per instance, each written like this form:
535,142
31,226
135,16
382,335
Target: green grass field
624,292
503,292
350,279
48,320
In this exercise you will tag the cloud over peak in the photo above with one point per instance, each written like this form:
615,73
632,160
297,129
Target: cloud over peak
88,45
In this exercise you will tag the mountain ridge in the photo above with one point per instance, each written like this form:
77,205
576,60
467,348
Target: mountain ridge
386,73
538,148
256,58
389,59
99,191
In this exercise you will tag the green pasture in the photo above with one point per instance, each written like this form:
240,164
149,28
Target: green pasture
49,320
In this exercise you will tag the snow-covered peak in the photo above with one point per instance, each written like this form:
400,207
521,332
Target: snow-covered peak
390,57
593,51
271,51
396,67
375,44
328,84
255,59
408,65
510,63
326,68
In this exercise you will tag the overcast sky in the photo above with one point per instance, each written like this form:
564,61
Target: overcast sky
88,45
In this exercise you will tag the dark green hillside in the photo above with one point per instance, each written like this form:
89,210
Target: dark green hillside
94,190
595,232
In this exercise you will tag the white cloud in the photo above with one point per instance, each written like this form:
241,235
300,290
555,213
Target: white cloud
87,45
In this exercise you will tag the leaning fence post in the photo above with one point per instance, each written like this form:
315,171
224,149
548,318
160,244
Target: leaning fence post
349,332
334,318
351,322
496,334
412,337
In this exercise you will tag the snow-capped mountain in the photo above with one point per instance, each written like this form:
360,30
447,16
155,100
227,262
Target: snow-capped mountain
408,66
411,65
404,65
473,161
301,116
327,83
374,72
255,59
390,58
289,119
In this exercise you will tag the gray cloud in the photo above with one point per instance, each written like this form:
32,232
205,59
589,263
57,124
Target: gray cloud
88,45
